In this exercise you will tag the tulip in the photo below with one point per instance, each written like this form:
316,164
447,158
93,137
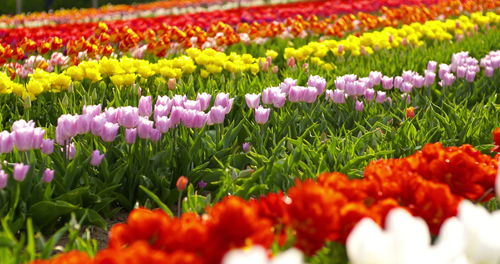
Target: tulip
202,184
130,135
22,124
71,151
318,82
6,142
287,84
340,83
112,114
144,128
192,104
387,82
145,106
275,69
178,100
488,71
279,99
338,96
128,116
47,146
310,94
171,83
96,158
369,94
443,69
246,147
252,100
262,115
216,115
109,132
23,138
204,100
182,183
418,81
97,124
20,171
296,93
155,135
359,106
66,128
92,110
163,124
406,87
461,71
381,97
291,62
4,177
176,115
429,78
259,255
408,76
497,182
398,82
410,112
470,75
163,100
48,175
161,111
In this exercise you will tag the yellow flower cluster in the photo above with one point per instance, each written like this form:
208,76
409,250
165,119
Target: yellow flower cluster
40,81
214,61
390,37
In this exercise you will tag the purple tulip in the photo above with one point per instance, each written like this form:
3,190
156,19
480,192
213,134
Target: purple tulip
145,106
375,77
47,146
262,115
448,79
4,177
161,110
429,78
200,119
340,83
431,66
461,70
267,96
163,124
38,134
279,99
216,115
22,124
470,76
6,142
109,132
83,124
418,81
287,84
155,135
130,135
338,96
310,94
188,117
66,128
489,71
204,100
318,82
176,115
252,100
48,175
112,114
96,158
398,82
359,106
246,147
369,94
92,110
163,100
222,99
387,82
364,83
408,76
406,87
97,124
192,104
178,100
295,93
71,151
144,128
443,69
20,171
23,138
128,116
381,97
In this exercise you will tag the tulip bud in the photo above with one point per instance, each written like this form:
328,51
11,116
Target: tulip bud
359,106
20,171
145,106
410,112
6,142
171,83
246,147
181,183
275,69
130,135
202,184
48,175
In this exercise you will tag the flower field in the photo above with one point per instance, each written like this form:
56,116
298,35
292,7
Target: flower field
230,132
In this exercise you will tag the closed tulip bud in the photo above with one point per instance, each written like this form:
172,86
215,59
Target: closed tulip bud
71,151
4,177
381,97
23,138
369,94
144,128
279,100
83,124
171,83
128,116
443,69
109,132
246,147
97,124
222,99
192,104
295,94
145,106
252,100
182,183
96,158
387,82
216,115
6,142
130,135
359,106
200,119
340,49
291,62
47,146
375,77
418,81
338,96
48,175
20,171
275,69
267,96
204,100
262,115
408,76
92,110
229,106
406,97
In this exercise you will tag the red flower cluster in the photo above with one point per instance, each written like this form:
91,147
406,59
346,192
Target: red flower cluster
430,184
496,140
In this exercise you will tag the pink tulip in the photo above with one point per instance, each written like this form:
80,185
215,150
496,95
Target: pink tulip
4,177
20,171
216,115
145,106
71,151
163,124
381,97
47,146
387,82
83,124
6,142
338,96
22,124
144,127
192,104
204,100
279,99
92,110
155,135
163,100
112,114
359,106
252,100
96,158
178,100
246,147
128,116
176,115
470,76
287,84
109,132
369,94
97,124
161,111
318,82
171,83
340,83
489,71
262,115
130,135
23,138
376,77
48,175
